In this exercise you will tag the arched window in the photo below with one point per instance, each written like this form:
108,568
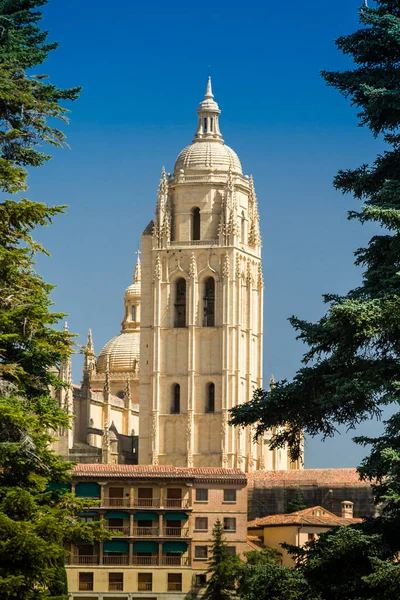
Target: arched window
210,406
180,303
209,302
196,224
243,229
176,399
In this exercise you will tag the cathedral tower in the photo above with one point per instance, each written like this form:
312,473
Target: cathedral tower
202,310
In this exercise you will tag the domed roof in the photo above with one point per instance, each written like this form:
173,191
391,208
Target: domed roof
208,155
133,290
123,351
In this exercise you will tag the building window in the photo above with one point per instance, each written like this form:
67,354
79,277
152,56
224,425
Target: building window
200,580
115,582
201,552
243,229
209,302
174,582
180,303
133,313
231,550
196,224
120,394
201,523
210,407
229,524
201,495
311,537
144,497
211,124
145,582
229,495
85,582
176,399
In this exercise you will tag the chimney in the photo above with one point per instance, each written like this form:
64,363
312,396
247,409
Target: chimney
347,509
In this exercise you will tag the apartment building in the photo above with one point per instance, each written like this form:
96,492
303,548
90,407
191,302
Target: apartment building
162,517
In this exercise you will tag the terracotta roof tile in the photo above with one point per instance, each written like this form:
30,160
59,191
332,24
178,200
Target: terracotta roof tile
303,477
135,471
307,516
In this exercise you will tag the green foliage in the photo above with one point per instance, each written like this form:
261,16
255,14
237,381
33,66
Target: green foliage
352,366
274,582
36,525
223,570
296,503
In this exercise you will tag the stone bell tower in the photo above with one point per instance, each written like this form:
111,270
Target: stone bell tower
202,310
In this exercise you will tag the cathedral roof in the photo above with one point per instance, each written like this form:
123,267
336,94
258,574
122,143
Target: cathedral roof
208,151
123,352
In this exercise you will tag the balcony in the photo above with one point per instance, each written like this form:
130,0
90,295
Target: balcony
116,502
116,560
181,532
176,503
76,559
145,561
144,586
146,503
175,561
118,530
146,531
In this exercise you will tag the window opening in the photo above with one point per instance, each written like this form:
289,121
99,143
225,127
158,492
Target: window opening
176,399
196,224
210,398
180,303
209,302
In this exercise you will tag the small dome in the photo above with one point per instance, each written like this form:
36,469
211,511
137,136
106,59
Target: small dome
133,290
208,155
123,352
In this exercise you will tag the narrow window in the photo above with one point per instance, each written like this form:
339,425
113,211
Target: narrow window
133,313
211,124
205,125
174,582
209,302
201,495
210,398
229,524
196,224
180,303
145,582
176,399
229,495
243,229
200,579
85,582
201,552
115,582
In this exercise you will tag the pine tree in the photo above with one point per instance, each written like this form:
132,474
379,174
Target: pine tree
223,570
296,503
35,523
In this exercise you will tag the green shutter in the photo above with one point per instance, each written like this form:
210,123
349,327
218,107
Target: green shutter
87,490
59,487
178,547
146,516
145,547
116,515
175,516
116,546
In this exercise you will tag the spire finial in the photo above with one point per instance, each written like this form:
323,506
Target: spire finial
209,93
89,345
137,276
66,326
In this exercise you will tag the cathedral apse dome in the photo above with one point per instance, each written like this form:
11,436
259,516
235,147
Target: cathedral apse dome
122,353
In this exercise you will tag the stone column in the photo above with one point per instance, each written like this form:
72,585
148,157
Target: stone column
156,359
225,364
191,321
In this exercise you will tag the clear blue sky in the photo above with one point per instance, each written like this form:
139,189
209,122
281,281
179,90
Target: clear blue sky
143,69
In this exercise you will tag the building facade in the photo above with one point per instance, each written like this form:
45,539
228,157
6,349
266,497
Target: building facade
202,323
163,519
